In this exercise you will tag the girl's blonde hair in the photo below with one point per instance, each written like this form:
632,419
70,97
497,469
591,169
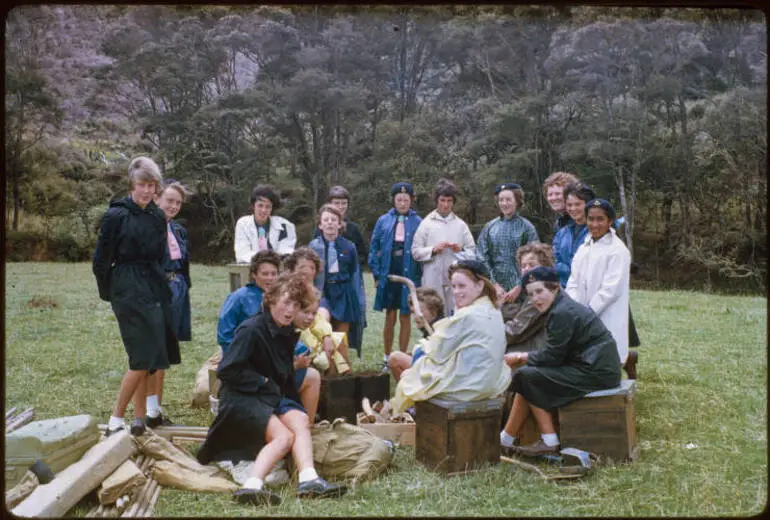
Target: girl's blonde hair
144,169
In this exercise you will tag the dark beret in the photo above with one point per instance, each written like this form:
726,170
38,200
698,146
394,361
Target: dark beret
507,186
475,266
402,187
603,204
540,274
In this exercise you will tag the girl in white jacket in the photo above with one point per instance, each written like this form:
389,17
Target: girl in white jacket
600,273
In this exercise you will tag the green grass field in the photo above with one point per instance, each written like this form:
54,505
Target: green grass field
700,407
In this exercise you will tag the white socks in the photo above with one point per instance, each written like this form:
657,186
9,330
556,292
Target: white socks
550,439
253,483
307,474
506,440
115,423
153,406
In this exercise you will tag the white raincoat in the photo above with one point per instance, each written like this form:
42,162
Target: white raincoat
600,279
434,229
282,237
463,359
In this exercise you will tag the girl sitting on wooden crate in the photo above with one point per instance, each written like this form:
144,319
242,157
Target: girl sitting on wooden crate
432,309
317,338
580,358
462,356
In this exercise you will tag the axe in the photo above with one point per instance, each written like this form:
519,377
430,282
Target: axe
413,295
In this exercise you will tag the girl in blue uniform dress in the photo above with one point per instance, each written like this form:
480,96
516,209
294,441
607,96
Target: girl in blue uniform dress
339,270
390,252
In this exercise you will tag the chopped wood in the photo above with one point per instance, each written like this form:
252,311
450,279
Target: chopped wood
138,499
9,413
542,474
123,480
180,438
20,420
96,511
186,431
148,510
22,490
78,479
147,464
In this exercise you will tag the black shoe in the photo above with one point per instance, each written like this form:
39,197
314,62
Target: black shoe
160,420
138,427
319,488
109,432
537,449
256,497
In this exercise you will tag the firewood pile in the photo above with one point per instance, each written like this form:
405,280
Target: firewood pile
381,412
15,420
126,473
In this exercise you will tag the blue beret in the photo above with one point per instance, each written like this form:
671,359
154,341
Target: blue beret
473,265
603,204
540,274
507,186
402,187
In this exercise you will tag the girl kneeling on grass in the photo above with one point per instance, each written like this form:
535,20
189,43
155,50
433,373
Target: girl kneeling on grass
259,411
580,358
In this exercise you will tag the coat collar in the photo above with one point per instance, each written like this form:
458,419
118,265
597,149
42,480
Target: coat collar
608,238
273,328
396,213
435,215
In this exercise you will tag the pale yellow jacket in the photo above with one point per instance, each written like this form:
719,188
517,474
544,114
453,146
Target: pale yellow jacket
463,359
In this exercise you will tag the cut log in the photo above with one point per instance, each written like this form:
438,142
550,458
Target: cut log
122,481
179,438
173,475
138,499
9,413
185,431
78,479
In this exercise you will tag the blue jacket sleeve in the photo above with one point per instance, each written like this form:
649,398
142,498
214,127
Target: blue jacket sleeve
230,316
560,264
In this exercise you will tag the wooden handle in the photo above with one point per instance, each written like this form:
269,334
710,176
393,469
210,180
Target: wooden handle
413,294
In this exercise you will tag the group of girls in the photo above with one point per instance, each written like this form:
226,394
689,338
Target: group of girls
141,264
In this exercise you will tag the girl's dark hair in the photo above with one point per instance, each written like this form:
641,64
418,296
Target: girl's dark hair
445,188
268,192
579,190
300,253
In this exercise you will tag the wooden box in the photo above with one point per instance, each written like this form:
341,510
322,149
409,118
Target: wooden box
457,437
602,422
400,433
238,275
338,398
373,385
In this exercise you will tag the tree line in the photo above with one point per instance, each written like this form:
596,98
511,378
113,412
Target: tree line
662,111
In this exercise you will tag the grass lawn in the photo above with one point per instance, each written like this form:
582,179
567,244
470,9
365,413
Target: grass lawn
700,407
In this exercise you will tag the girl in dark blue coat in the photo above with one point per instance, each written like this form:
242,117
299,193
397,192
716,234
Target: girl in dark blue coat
390,252
339,270
128,266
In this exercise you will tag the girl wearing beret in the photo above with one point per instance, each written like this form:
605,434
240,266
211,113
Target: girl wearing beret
501,237
579,358
390,252
462,358
600,273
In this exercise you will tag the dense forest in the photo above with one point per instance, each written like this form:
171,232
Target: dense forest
662,111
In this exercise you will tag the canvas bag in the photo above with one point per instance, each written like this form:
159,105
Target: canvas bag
345,451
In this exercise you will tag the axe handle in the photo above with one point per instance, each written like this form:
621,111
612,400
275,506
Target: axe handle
413,294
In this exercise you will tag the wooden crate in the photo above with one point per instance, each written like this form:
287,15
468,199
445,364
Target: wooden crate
458,437
373,385
238,275
602,422
401,433
338,398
